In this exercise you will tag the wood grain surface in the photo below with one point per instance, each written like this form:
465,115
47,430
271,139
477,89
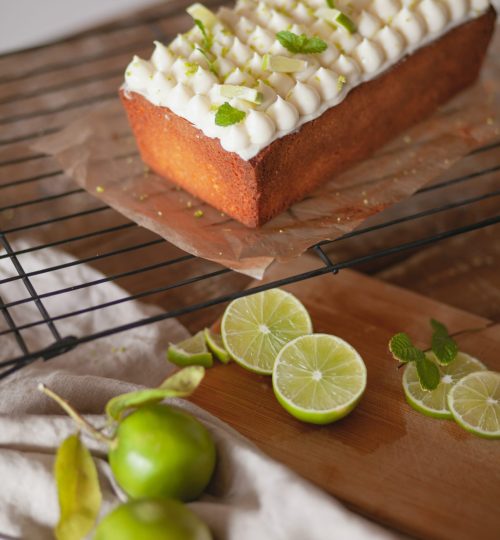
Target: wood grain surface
425,477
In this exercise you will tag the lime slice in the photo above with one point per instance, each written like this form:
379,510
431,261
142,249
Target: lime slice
319,378
337,17
203,14
191,352
256,327
474,403
215,344
242,92
282,64
433,402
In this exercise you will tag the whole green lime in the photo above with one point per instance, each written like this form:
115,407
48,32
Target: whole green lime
162,452
151,519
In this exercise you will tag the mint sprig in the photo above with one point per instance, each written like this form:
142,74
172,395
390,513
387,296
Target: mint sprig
228,115
403,350
301,44
443,346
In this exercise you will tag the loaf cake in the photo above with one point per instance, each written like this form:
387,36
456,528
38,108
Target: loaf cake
257,105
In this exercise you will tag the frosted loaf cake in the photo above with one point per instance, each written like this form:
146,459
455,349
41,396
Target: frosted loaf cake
256,105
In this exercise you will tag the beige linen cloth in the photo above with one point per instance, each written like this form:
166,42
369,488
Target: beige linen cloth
251,497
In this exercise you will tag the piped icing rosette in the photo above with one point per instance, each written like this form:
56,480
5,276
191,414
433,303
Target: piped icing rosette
257,72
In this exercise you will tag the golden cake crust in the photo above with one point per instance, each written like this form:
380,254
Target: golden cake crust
285,171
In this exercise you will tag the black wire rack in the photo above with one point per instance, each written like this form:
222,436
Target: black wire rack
456,204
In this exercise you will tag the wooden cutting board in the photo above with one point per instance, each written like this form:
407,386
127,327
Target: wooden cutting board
426,477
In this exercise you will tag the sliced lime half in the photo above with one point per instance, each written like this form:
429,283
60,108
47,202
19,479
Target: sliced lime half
255,328
433,402
474,403
216,345
191,352
319,378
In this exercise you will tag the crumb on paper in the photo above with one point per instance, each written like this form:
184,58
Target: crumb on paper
143,197
159,213
407,139
189,204
365,202
99,189
490,121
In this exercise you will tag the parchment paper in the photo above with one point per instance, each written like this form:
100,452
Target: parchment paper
99,152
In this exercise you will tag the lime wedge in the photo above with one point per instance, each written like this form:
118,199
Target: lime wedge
215,344
337,17
203,14
474,403
242,92
255,328
190,352
319,378
282,64
433,402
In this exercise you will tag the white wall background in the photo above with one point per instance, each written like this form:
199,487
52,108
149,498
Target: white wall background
26,23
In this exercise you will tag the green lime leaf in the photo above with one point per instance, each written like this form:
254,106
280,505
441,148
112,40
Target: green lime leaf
428,373
443,346
180,384
301,44
402,349
77,488
227,115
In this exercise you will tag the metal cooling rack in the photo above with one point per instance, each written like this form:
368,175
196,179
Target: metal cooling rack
44,98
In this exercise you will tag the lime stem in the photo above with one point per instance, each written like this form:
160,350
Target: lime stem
80,421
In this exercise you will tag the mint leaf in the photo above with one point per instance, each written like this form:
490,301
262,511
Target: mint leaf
227,115
300,44
77,489
402,349
428,373
330,3
443,346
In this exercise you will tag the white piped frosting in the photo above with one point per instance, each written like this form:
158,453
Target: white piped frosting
180,77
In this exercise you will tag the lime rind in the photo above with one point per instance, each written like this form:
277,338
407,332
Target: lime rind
216,346
243,92
475,404
254,328
433,403
190,352
319,378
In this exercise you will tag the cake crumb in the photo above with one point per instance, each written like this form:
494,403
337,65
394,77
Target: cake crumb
490,121
189,204
160,213
407,139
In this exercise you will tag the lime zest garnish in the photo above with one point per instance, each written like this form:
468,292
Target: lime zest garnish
337,17
203,14
443,346
282,64
340,82
192,68
242,92
227,115
207,41
301,44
